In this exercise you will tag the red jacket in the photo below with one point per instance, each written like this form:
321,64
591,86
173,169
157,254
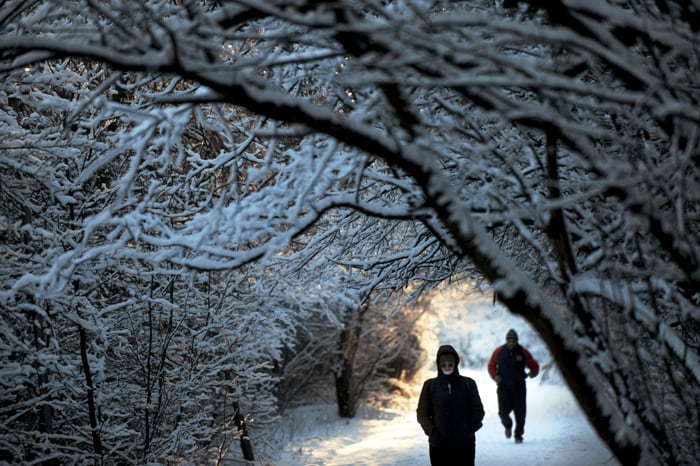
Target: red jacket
510,365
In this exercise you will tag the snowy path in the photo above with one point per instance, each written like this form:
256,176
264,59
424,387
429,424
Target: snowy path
556,433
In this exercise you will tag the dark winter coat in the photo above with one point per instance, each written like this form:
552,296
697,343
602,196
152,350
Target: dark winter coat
449,407
510,365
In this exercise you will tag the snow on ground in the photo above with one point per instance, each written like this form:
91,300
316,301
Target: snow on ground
556,431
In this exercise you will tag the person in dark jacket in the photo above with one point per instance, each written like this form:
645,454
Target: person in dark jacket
507,368
450,412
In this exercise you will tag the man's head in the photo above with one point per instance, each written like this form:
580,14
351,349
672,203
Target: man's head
511,339
447,359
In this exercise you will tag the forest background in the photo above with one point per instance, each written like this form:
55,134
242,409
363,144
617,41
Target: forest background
209,207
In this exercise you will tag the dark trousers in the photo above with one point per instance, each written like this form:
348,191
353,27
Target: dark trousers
462,455
512,398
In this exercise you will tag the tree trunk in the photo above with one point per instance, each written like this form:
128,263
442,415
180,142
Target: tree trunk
246,444
92,411
349,345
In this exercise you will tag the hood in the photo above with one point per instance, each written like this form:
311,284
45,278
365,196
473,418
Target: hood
446,349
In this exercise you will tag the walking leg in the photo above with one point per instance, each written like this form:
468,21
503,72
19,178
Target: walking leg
505,405
519,409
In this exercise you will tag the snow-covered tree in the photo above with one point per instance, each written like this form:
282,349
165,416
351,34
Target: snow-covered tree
551,145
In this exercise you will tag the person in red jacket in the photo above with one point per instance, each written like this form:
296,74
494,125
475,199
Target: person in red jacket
507,368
